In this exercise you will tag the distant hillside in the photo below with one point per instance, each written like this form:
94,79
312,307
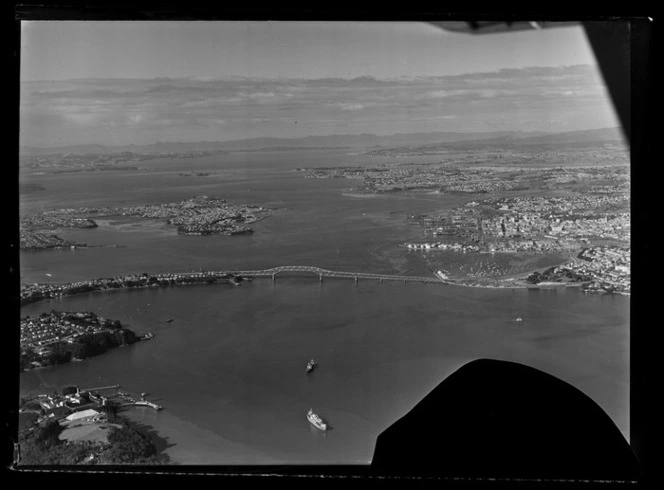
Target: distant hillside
549,141
411,140
590,136
516,141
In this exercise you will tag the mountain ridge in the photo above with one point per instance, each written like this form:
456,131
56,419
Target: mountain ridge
365,140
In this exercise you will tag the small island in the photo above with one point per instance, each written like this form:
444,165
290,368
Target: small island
59,337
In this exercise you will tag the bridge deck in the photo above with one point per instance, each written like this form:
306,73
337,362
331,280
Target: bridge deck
327,273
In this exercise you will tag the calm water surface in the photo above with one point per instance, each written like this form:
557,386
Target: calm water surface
229,369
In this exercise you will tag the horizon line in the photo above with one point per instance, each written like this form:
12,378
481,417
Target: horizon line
319,136
206,78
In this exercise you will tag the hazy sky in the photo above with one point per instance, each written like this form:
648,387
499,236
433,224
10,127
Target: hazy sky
142,82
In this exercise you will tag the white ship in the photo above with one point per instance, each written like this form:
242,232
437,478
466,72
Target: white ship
315,420
310,366
442,275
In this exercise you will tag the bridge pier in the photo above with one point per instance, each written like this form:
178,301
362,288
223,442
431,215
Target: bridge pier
356,276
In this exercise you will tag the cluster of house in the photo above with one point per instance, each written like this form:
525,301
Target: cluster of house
39,332
542,245
608,266
554,223
35,292
443,246
555,205
442,177
198,215
57,218
197,210
532,225
32,240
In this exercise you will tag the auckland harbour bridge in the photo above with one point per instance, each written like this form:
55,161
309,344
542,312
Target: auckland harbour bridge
322,273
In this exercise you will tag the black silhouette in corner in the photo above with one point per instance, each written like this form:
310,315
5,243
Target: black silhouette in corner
498,419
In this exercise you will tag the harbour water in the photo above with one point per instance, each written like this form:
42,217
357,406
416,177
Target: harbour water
230,369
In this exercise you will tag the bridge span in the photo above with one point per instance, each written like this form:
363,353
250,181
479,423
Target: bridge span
321,273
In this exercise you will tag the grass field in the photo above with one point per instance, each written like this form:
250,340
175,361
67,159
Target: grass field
96,432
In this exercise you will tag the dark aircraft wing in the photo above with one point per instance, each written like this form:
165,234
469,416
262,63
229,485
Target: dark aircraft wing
610,42
492,27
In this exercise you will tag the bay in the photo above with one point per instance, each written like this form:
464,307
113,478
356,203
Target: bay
232,363
230,368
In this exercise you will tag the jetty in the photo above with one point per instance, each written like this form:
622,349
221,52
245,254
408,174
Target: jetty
143,403
102,388
128,400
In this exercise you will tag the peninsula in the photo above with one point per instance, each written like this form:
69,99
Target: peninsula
84,426
59,337
31,293
33,240
201,215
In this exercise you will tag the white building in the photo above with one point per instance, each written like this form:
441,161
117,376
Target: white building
83,415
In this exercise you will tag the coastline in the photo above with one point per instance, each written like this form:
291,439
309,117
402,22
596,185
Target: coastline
518,281
160,442
75,359
523,285
219,277
37,292
208,330
67,247
95,445
63,337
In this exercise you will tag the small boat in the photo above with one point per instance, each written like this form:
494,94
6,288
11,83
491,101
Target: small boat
316,421
519,319
310,366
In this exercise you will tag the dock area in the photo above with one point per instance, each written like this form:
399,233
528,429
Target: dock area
127,400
